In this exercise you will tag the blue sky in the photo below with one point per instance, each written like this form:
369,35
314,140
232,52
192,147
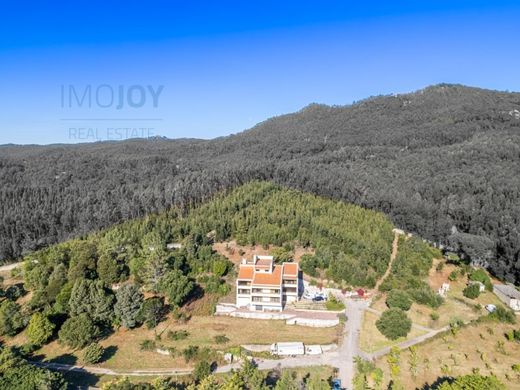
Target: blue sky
226,66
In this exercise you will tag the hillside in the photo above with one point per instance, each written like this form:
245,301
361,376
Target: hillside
442,162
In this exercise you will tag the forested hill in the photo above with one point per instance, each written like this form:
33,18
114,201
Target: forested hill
443,162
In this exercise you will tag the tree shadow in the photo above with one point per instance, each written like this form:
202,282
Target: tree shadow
435,385
66,358
108,353
81,379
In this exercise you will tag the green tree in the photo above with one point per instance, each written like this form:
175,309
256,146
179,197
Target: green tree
202,370
399,299
155,260
413,362
11,318
152,311
394,364
129,300
83,258
91,297
314,382
79,331
176,286
394,323
287,382
473,382
109,269
93,353
220,267
17,374
40,329
62,299
471,291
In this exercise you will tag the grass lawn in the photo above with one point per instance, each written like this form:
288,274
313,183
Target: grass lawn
372,340
455,306
473,347
125,352
85,379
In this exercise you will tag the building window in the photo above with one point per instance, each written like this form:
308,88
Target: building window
244,292
242,283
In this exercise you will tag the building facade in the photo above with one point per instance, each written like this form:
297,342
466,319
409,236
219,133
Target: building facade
264,286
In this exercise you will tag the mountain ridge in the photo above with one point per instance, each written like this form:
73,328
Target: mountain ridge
443,156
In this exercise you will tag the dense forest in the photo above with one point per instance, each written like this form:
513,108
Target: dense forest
135,273
442,162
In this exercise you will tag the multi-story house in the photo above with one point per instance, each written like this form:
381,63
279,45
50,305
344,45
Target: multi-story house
264,286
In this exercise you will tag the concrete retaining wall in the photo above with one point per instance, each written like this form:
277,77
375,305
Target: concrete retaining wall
313,322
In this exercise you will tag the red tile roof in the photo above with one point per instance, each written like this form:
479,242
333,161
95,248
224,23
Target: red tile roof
246,272
269,279
290,270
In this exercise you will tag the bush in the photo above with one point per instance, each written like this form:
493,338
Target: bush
15,291
333,304
502,314
434,316
394,323
399,299
93,353
472,291
147,345
40,329
479,275
190,353
177,335
202,370
221,339
78,332
11,318
453,276
425,296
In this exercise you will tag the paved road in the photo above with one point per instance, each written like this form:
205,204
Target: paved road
342,358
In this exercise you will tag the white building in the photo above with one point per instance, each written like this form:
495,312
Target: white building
263,286
508,294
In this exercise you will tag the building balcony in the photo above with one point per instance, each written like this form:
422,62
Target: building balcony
266,291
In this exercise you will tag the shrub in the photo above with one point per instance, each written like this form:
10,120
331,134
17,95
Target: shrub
202,370
221,267
472,291
479,275
334,304
78,332
426,296
190,353
93,353
502,314
434,316
15,291
221,339
399,299
40,329
394,323
147,345
177,335
453,276
11,318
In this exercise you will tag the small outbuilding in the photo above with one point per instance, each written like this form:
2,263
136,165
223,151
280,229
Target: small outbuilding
508,294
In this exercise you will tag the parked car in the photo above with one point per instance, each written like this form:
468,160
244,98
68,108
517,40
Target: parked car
336,384
490,308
